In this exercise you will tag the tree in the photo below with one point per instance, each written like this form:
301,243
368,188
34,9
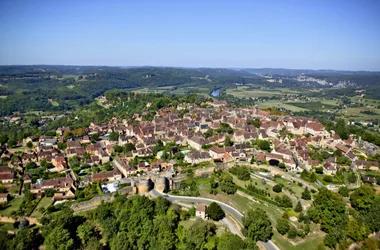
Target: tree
228,142
363,197
162,205
129,147
330,211
257,225
306,195
29,144
229,241
298,207
196,236
344,191
313,177
85,232
50,192
371,244
277,188
114,136
25,239
257,123
263,145
242,172
11,143
59,238
3,138
282,226
2,188
215,212
292,233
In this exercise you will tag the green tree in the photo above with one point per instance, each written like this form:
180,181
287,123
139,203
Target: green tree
196,236
25,239
344,191
11,143
85,232
282,226
298,207
215,212
228,141
50,192
263,145
363,197
59,239
114,136
229,241
306,195
257,225
277,188
29,144
3,139
292,233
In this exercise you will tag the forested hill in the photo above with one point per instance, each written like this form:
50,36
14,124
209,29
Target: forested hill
57,88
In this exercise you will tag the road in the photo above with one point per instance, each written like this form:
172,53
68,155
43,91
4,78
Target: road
227,208
269,245
285,175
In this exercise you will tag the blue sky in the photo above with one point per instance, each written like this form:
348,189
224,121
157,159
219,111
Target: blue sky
311,34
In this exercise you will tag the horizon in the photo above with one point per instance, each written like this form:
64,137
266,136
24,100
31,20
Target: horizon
313,35
183,67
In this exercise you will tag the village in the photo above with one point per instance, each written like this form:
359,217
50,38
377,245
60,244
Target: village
216,134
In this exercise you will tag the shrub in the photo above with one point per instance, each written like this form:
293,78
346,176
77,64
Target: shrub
277,188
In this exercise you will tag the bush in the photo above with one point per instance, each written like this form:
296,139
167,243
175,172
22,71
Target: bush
282,226
243,173
292,233
277,188
215,212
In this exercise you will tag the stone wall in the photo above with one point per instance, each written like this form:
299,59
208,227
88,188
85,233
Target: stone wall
96,201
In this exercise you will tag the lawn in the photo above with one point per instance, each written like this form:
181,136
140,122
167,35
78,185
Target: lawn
12,206
3,97
44,202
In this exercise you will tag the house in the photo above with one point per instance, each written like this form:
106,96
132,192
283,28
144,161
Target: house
27,178
200,211
123,166
5,175
197,156
4,198
372,165
62,185
108,176
330,166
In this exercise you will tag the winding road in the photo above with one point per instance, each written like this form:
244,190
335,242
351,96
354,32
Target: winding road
227,208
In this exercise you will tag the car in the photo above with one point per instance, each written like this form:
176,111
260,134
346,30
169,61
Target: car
166,196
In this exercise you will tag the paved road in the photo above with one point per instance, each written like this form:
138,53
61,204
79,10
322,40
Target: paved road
227,208
235,213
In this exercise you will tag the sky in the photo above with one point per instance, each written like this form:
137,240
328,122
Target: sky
299,34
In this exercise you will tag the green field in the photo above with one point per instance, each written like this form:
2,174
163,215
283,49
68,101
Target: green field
44,202
12,206
3,97
279,104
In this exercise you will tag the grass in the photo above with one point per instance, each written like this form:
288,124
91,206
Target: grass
3,97
148,90
309,242
11,207
71,86
6,227
316,105
44,202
